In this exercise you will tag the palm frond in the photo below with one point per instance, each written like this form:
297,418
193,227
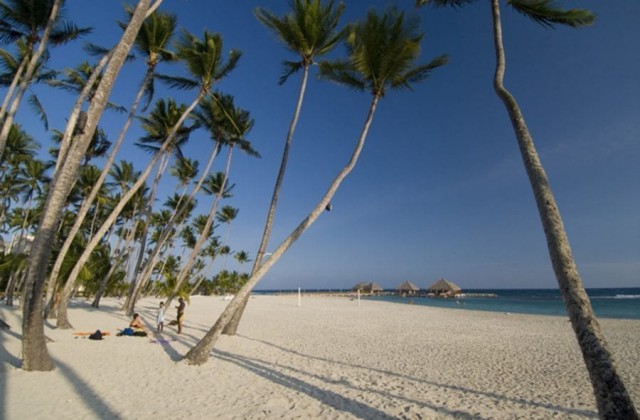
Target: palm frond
548,14
177,82
37,107
289,68
95,50
343,73
65,32
419,73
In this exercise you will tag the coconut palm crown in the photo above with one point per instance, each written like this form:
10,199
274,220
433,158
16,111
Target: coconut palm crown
309,31
382,50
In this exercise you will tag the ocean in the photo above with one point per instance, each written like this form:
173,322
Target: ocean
619,303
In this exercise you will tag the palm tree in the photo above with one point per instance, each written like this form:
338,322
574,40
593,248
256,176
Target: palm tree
204,60
36,22
310,31
152,41
11,65
382,51
75,79
229,125
611,395
21,148
34,349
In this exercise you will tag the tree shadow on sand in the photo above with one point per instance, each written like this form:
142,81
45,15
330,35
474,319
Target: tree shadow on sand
332,399
456,388
88,395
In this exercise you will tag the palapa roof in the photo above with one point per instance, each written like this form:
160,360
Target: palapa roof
375,287
367,287
407,285
444,285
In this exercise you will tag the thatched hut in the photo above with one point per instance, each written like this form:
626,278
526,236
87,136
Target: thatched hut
365,287
408,288
444,287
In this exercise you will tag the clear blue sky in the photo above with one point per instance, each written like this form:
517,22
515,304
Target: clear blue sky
440,190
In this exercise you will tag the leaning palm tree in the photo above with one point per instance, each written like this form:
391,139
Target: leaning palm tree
382,51
612,398
38,22
152,43
310,31
205,63
34,348
229,125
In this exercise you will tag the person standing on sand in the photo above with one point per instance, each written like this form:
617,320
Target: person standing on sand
180,309
160,318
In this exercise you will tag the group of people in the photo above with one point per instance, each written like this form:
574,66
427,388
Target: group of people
136,322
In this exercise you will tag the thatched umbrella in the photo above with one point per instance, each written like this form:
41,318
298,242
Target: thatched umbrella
375,287
363,286
444,287
408,287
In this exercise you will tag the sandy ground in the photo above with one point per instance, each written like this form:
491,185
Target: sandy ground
328,358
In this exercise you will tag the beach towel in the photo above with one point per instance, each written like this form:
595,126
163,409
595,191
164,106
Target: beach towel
88,333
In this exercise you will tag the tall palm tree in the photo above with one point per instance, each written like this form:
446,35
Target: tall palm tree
34,348
229,125
151,42
612,398
38,22
310,31
382,52
206,65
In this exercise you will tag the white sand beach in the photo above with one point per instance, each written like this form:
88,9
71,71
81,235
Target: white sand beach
328,358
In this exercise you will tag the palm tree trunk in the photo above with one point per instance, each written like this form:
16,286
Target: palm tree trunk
199,354
111,219
232,326
612,398
128,306
205,233
34,349
77,108
13,85
28,74
164,235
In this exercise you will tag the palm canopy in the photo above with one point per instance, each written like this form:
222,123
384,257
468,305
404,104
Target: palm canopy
28,18
159,123
152,43
382,50
544,12
204,61
309,30
227,123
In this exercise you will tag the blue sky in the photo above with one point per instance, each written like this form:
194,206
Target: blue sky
440,189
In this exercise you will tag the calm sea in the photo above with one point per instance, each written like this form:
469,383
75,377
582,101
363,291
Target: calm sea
623,303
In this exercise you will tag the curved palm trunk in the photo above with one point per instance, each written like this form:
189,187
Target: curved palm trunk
34,349
77,108
164,235
182,276
86,205
128,304
199,354
63,321
232,326
611,395
28,74
14,84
